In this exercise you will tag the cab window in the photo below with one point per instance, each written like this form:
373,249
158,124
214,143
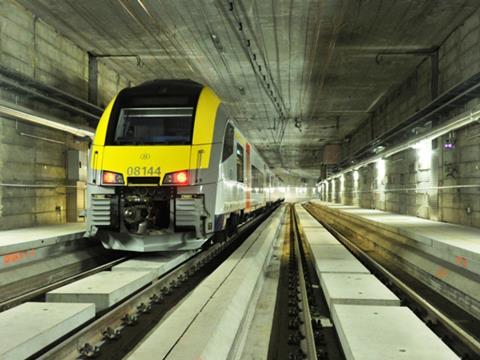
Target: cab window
228,142
154,126
240,163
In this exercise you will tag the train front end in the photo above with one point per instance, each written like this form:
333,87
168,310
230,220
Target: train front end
149,178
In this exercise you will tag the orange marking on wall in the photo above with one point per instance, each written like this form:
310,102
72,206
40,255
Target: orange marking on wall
441,273
461,261
15,257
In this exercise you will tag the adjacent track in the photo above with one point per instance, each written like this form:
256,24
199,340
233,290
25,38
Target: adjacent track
302,327
430,306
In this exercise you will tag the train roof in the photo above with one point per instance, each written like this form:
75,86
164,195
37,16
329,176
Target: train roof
165,86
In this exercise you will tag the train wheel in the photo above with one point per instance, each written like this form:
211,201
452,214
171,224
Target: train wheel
221,236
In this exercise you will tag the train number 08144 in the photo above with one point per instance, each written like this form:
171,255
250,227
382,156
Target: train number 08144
143,171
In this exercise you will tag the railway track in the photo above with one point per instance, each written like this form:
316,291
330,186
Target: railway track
46,285
302,327
301,314
458,329
52,264
133,318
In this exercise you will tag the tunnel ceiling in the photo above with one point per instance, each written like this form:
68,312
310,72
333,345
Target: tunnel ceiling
270,61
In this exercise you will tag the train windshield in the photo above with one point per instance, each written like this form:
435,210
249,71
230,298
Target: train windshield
154,126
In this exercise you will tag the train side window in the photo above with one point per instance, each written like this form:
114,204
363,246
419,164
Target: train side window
240,163
257,179
228,142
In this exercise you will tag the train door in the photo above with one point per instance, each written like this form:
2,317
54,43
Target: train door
248,178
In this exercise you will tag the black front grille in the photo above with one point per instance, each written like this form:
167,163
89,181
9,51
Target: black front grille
143,180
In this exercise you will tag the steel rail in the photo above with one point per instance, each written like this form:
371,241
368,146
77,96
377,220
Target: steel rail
468,340
326,337
307,318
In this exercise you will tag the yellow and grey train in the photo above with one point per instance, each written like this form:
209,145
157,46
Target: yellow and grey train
169,170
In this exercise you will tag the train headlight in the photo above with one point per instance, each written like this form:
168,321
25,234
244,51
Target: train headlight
112,178
176,178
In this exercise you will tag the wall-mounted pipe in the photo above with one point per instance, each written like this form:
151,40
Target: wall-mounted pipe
19,113
455,96
451,125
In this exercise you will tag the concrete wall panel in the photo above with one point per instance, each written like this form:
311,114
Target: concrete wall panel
33,158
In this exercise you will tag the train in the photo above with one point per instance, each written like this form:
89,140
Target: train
169,170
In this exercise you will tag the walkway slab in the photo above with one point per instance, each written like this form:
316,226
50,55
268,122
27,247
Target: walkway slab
320,237
104,289
336,259
40,236
28,328
157,265
356,289
306,219
305,216
310,223
445,257
22,246
386,332
457,244
258,336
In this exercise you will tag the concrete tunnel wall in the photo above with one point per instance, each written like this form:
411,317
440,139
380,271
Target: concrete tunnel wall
408,185
32,170
459,59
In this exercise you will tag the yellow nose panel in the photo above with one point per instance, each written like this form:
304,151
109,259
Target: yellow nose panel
205,115
146,160
159,160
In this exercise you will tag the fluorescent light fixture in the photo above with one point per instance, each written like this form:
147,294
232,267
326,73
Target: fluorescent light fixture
140,2
356,175
424,152
380,164
25,116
